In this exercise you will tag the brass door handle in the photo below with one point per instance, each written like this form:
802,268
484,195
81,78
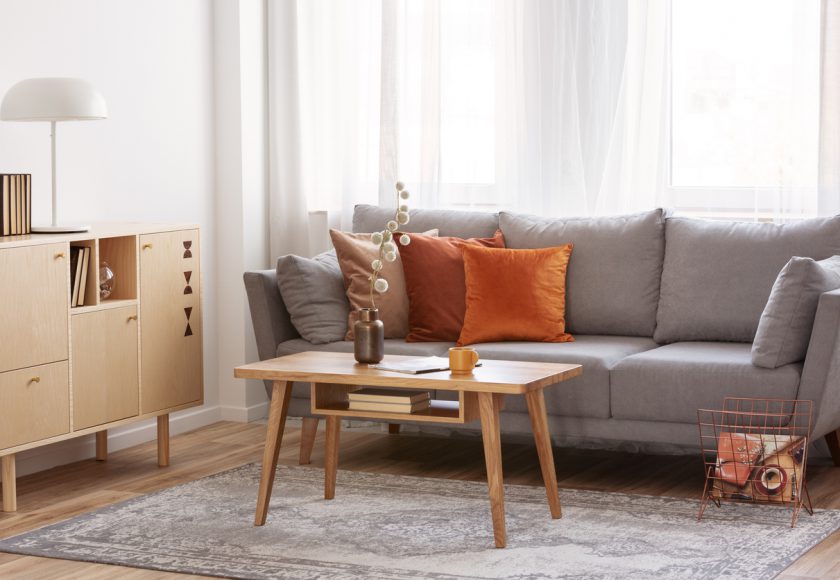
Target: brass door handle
34,380
147,246
132,317
59,255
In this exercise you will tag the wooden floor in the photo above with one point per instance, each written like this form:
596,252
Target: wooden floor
66,491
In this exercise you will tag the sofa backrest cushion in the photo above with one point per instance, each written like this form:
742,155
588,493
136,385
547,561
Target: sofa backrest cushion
718,275
452,223
612,284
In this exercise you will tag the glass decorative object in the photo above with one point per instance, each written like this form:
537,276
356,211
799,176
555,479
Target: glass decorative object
107,281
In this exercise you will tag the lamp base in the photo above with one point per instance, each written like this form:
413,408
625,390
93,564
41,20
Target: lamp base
59,229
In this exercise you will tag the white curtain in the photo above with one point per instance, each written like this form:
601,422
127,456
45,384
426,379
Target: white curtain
583,105
555,107
323,85
829,156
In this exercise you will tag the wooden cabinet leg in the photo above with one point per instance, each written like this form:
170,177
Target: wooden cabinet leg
307,439
393,428
331,455
539,425
163,440
9,483
488,406
833,440
102,445
281,394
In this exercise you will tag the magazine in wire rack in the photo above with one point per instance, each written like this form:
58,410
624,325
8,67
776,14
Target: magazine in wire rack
755,450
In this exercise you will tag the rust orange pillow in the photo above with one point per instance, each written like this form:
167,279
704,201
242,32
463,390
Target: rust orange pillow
515,295
434,280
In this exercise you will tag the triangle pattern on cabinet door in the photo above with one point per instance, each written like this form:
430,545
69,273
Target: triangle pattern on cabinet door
188,312
188,275
188,332
187,251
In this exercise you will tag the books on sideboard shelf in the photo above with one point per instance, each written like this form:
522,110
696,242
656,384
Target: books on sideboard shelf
15,204
79,261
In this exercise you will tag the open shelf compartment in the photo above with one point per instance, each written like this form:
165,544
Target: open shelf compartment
330,399
121,255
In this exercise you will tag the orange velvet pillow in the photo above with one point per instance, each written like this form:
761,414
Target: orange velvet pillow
434,279
515,295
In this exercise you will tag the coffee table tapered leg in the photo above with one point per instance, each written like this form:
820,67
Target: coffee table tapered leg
539,425
488,406
331,455
280,396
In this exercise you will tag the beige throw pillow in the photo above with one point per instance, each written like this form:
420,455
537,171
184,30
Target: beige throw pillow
355,253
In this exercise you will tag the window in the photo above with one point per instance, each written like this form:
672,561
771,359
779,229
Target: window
745,104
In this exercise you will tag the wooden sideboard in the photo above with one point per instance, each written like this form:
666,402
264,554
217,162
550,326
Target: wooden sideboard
67,372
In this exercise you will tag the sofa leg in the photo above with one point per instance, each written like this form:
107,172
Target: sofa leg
833,440
393,428
307,438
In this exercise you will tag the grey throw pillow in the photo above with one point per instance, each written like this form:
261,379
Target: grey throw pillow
785,325
313,291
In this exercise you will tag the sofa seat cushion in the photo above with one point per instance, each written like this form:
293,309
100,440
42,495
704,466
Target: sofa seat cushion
585,396
392,346
717,276
671,382
612,283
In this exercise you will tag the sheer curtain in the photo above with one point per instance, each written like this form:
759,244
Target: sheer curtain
555,107
583,105
323,85
829,156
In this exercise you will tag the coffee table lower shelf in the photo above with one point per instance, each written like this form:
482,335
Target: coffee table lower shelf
330,399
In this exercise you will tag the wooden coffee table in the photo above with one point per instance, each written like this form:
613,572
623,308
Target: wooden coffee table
480,396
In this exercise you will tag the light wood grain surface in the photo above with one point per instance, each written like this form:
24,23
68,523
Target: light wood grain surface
171,364
105,372
34,303
100,230
509,377
44,388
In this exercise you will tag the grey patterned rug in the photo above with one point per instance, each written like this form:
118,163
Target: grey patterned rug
386,526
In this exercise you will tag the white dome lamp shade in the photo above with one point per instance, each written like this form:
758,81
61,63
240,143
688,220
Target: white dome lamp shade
53,100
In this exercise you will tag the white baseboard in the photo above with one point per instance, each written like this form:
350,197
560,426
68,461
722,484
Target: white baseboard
84,447
245,414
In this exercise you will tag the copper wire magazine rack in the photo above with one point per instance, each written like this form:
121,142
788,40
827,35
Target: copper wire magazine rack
756,450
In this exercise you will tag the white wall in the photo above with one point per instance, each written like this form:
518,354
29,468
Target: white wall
242,192
153,159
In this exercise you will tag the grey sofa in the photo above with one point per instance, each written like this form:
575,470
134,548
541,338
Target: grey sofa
663,311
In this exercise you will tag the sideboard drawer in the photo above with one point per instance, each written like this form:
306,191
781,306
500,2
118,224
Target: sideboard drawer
34,404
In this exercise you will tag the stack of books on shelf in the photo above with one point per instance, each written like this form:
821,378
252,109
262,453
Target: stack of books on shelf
79,259
16,204
389,401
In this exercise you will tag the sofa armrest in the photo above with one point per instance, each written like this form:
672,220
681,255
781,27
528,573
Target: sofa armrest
272,324
821,373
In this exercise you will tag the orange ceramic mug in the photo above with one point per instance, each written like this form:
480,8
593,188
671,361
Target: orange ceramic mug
462,359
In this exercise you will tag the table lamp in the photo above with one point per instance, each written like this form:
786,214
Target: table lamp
54,100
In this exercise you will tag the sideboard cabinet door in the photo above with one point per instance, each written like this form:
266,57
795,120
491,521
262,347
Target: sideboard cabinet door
170,320
34,302
105,377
